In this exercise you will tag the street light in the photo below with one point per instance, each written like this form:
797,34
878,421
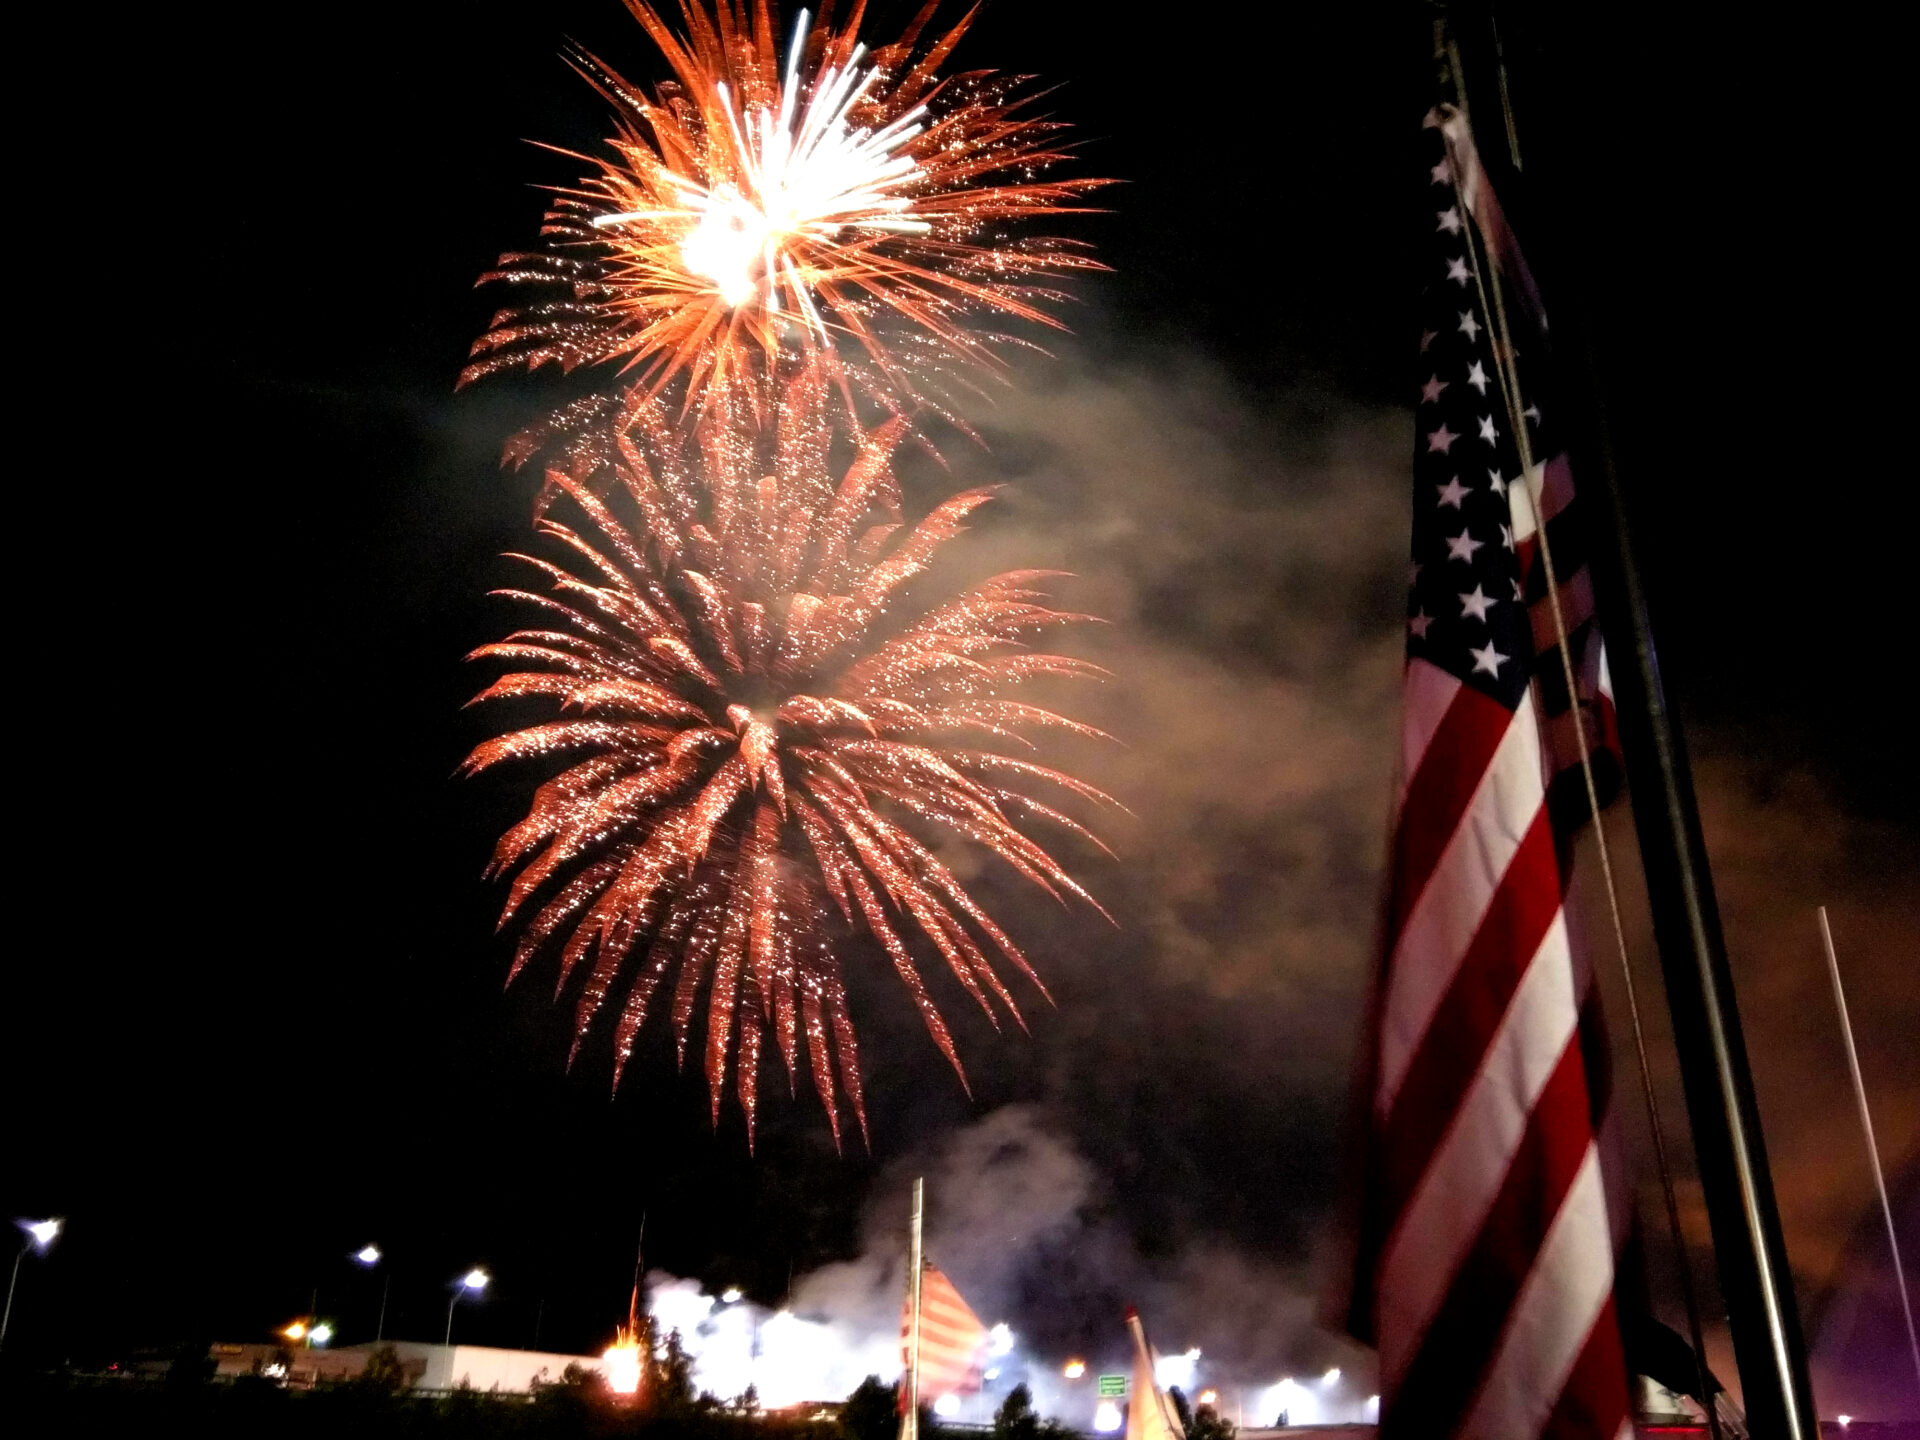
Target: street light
40,1234
475,1280
368,1256
320,1334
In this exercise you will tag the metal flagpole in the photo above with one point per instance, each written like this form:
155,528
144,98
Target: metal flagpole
1866,1128
910,1418
1566,238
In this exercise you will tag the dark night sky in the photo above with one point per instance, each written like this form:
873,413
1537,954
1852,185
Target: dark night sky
254,1015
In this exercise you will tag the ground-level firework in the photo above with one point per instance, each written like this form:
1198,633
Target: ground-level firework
765,733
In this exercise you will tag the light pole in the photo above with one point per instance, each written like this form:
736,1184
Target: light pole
40,1234
368,1256
475,1280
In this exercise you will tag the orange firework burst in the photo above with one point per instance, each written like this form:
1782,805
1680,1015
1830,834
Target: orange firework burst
762,746
759,208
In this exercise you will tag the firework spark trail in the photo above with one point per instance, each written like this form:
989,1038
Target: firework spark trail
763,739
756,211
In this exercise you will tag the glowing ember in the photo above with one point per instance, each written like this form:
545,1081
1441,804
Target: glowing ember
622,1361
757,208
759,732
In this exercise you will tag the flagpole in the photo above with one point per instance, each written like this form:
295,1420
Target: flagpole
1160,1401
1737,1186
1866,1128
910,1419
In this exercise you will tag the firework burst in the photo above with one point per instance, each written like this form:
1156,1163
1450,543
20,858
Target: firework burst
762,207
762,739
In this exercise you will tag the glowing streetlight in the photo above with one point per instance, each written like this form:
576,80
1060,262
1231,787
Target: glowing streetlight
1332,1377
320,1334
947,1405
1000,1339
40,1234
1074,1369
731,1295
295,1332
1845,1420
1106,1417
1209,1397
475,1280
368,1256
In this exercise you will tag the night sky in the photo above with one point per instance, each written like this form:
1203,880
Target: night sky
254,1015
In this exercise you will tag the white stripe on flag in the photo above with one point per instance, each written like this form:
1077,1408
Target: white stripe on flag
1551,1318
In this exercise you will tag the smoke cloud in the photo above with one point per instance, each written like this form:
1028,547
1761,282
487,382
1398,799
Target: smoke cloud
1169,1135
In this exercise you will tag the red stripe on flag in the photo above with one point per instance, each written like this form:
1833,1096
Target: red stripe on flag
1462,1336
1438,795
1450,1054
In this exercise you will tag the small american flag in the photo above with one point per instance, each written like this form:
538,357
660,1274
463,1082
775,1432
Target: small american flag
952,1339
1489,1226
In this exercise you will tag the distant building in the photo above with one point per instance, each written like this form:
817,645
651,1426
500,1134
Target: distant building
430,1367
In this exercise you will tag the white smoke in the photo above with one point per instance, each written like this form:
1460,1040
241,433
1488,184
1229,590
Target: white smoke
785,1358
1014,1218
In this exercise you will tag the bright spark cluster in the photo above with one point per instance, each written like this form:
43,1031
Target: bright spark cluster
759,208
762,738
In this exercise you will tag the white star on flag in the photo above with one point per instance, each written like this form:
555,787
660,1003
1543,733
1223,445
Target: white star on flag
1453,492
1462,546
1430,392
1450,220
1476,605
1486,658
1487,432
1477,377
1469,326
1441,439
1418,625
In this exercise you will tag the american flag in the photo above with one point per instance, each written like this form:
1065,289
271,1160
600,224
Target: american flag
1489,1226
952,1339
